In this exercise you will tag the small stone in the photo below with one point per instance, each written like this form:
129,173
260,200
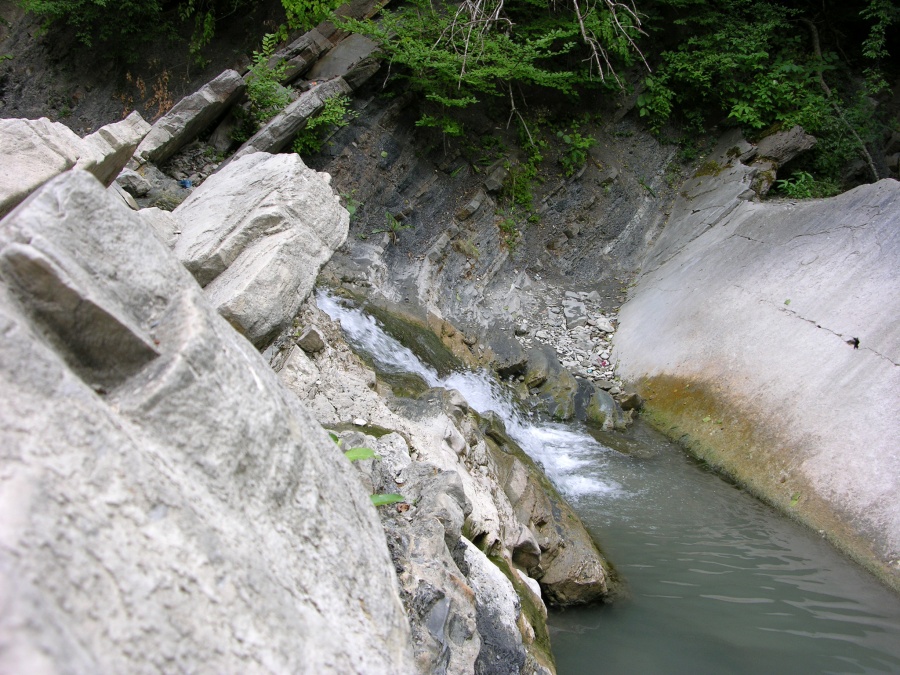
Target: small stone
631,401
615,391
311,340
602,323
360,422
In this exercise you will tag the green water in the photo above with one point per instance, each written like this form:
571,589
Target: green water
718,582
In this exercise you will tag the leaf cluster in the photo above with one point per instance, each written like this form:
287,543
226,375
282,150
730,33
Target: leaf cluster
758,64
335,114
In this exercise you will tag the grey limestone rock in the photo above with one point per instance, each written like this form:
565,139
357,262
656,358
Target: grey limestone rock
166,502
282,128
257,245
34,151
189,117
110,147
311,341
133,183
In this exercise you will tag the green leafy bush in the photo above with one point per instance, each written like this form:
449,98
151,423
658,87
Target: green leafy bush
455,59
265,94
803,185
98,21
761,65
576,150
335,114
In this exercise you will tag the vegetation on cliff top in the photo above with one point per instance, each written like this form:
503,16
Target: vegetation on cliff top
688,64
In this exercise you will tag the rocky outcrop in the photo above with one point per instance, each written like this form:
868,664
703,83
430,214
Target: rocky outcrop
257,245
766,335
281,129
191,115
166,502
481,540
34,151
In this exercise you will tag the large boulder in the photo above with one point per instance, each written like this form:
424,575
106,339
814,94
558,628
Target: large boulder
769,339
167,503
255,235
189,117
34,151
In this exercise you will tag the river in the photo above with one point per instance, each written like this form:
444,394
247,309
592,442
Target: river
717,582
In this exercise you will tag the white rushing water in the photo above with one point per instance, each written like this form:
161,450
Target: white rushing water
572,459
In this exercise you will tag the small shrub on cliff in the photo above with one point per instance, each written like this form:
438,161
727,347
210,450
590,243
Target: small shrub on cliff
334,115
265,93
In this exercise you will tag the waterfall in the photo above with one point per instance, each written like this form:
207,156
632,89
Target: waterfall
572,459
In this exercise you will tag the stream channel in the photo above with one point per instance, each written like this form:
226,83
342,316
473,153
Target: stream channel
717,582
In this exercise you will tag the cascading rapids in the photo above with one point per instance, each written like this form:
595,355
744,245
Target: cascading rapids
572,458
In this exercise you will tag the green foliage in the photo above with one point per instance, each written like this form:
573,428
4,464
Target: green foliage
385,499
265,93
351,203
393,227
454,61
122,23
802,185
334,115
305,14
576,151
756,63
357,454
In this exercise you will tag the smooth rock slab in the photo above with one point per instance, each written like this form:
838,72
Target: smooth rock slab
166,502
189,117
282,128
255,236
755,322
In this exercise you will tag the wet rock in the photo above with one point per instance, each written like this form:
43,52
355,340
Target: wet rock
189,117
557,395
630,400
572,570
541,364
497,610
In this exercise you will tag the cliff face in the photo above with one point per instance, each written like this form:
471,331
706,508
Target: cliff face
767,333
